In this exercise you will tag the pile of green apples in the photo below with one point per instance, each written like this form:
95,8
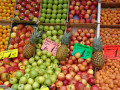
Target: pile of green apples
41,71
54,33
54,11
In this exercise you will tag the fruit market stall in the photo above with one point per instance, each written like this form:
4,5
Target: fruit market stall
59,44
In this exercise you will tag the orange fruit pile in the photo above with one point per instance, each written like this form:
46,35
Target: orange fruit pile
110,0
108,78
4,36
110,17
6,9
110,36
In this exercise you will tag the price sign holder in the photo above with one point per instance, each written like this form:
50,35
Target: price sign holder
45,88
85,51
9,54
3,87
112,51
50,46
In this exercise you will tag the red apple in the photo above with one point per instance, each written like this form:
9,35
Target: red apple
85,30
81,16
6,60
76,34
81,7
22,10
87,35
76,21
71,43
82,34
91,40
82,68
73,3
7,66
77,78
87,21
12,41
68,29
23,36
65,82
64,68
78,3
95,3
77,12
79,38
79,30
82,21
16,45
71,21
68,77
83,12
59,84
62,62
10,47
91,81
70,16
23,4
37,7
79,86
73,81
19,1
80,60
93,20
73,58
61,76
94,87
63,88
32,9
71,48
89,11
16,60
7,83
89,3
87,7
71,87
77,55
93,16
71,7
86,16
72,12
84,2
52,87
92,7
92,35
94,11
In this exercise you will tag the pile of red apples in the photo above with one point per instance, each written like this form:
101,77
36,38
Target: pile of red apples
27,10
84,10
77,74
82,36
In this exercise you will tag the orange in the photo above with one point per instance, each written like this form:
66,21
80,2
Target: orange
1,42
5,18
4,31
8,26
7,34
4,36
0,26
0,17
0,38
1,30
4,27
3,14
1,10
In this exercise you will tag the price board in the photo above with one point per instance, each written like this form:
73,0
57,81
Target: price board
85,51
50,46
9,54
112,51
45,88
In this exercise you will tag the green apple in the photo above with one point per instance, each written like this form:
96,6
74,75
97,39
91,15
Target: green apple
54,32
64,16
20,87
33,68
42,19
65,11
26,63
48,60
60,37
47,64
63,28
56,2
51,27
48,33
52,58
37,68
28,66
56,60
44,52
45,1
34,64
59,16
48,16
57,69
43,86
13,80
41,72
40,61
27,75
44,36
47,81
65,6
57,72
37,57
14,86
35,85
33,73
39,53
53,79
46,28
61,1
57,41
65,1
54,38
53,16
27,87
44,10
52,20
62,20
18,74
49,71
49,54
60,11
50,1
60,6
44,6
55,66
54,75
60,32
50,67
23,80
49,6
57,20
40,41
49,11
40,27
54,7
49,37
46,75
27,70
47,20
30,81
43,15
42,66
41,79
31,60
54,11
57,27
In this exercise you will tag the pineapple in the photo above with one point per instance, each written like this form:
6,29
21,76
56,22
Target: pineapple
98,57
29,49
63,49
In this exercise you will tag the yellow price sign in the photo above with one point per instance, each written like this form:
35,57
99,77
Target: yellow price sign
1,88
9,54
45,88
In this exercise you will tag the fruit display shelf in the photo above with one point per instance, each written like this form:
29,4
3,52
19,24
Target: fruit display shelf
53,32
80,13
27,11
110,36
54,12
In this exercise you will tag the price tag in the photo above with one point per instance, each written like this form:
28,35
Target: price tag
50,46
112,51
1,88
45,88
85,51
9,54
